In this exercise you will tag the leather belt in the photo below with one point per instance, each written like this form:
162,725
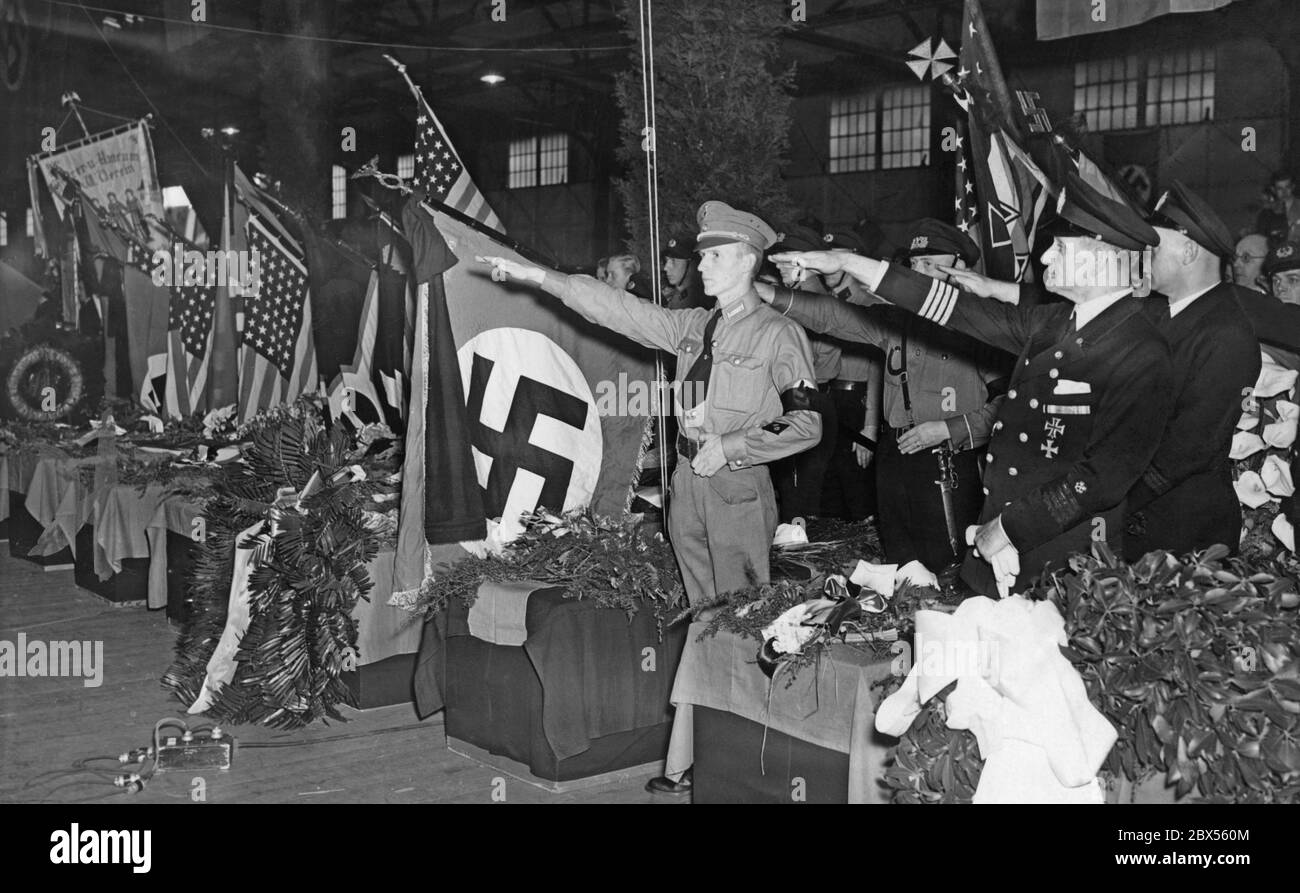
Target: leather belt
843,384
688,448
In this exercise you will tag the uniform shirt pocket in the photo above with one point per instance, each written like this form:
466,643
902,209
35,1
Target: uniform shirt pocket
738,384
1068,404
734,489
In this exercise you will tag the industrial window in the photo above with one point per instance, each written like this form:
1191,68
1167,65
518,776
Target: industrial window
406,166
553,164
853,134
1106,90
31,223
888,128
904,126
338,192
538,161
1125,92
1180,87
4,229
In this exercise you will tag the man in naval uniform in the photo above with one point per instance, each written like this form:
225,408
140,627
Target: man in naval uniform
1087,402
942,390
1185,500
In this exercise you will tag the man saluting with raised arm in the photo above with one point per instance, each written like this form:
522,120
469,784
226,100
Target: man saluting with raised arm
1087,401
744,388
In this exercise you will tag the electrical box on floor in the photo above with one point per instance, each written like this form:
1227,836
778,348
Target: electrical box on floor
203,750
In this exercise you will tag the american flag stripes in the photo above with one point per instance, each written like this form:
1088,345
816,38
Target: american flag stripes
189,347
440,172
277,354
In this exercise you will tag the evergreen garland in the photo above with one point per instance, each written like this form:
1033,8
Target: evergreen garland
1196,662
301,636
722,107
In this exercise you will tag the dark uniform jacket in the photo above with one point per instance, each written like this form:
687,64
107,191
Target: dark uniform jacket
1083,415
1184,500
948,373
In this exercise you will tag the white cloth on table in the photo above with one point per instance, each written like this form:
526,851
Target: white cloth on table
1041,738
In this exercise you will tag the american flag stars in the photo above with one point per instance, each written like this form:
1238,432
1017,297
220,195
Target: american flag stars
273,316
440,168
190,313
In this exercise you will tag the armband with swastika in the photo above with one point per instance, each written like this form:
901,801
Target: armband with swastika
798,398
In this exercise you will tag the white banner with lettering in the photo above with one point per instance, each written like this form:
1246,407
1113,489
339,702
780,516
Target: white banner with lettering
118,174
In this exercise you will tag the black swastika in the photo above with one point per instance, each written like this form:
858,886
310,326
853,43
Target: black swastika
510,449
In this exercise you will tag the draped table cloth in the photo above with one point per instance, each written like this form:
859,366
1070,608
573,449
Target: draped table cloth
171,527
827,711
586,693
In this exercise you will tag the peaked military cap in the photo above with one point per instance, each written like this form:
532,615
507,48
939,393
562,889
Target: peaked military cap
1183,210
721,224
931,236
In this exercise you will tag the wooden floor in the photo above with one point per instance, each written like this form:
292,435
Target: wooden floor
48,725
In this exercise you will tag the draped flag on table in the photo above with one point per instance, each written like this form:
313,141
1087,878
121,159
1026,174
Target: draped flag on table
1001,192
530,367
507,423
1071,18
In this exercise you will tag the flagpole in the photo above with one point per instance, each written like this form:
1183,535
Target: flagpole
223,378
646,37
391,181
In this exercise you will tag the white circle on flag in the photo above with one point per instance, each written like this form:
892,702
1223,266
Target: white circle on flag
522,353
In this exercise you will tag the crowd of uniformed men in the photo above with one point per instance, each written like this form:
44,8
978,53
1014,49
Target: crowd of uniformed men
992,425
1009,425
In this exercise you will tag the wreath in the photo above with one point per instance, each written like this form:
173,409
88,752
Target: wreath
301,635
34,374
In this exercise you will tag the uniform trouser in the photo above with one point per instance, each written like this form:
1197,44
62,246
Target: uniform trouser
721,528
799,478
912,524
848,490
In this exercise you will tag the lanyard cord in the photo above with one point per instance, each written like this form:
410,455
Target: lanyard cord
646,38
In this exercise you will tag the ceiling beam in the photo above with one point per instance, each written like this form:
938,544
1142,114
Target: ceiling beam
876,10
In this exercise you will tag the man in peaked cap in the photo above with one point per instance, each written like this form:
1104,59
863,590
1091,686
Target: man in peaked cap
746,397
850,487
1088,398
941,394
1282,270
1185,500
682,286
799,479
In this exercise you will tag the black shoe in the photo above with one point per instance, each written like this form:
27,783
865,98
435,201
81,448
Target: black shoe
664,785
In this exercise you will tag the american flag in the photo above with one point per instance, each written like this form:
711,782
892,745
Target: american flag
189,347
1001,193
278,360
440,172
